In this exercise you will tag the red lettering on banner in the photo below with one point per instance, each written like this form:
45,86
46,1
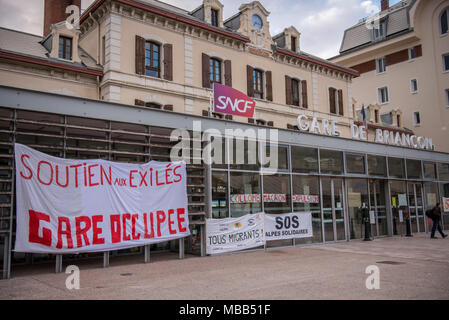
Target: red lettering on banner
82,232
177,174
160,218
167,175
96,230
126,216
91,175
33,233
170,221
134,219
157,179
66,231
26,167
39,173
103,173
181,211
151,235
142,179
76,173
115,228
131,178
66,177
85,174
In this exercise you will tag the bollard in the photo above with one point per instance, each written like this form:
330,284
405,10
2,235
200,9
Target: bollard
408,228
367,230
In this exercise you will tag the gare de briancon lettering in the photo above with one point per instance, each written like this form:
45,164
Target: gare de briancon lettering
389,137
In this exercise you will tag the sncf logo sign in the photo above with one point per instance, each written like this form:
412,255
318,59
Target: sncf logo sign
230,101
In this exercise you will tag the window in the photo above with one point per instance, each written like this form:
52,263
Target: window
215,71
417,118
383,95
396,168
304,160
443,171
377,166
245,194
65,48
411,53
152,59
430,170
214,17
414,86
376,116
413,169
444,21
355,164
294,44
336,101
258,84
219,195
380,33
381,65
282,157
295,93
447,97
153,105
398,121
276,194
331,162
306,198
446,62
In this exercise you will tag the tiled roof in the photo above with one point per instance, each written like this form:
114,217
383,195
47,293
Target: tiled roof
397,21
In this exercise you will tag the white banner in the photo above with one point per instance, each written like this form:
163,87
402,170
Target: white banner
288,226
235,234
74,206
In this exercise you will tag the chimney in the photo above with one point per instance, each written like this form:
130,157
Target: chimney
384,4
54,12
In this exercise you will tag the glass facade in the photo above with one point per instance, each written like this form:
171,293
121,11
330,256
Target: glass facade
313,180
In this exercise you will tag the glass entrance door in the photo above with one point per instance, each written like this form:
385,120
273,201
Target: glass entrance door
357,206
333,209
378,205
416,207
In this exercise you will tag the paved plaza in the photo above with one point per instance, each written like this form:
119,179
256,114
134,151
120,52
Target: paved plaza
410,268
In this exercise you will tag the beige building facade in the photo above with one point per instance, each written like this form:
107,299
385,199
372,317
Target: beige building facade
241,46
402,57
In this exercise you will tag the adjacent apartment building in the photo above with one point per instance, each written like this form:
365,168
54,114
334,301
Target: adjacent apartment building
402,55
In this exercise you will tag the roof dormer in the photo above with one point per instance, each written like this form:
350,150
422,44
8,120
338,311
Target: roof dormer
289,39
213,12
64,43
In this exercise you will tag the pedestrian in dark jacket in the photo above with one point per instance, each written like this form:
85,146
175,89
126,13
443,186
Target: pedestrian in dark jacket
436,219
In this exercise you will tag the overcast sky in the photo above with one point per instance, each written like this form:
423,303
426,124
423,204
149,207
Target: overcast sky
321,22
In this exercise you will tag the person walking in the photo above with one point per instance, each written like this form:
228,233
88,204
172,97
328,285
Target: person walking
436,219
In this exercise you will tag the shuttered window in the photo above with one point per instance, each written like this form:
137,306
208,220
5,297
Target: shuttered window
258,84
305,102
228,73
152,59
214,71
148,59
332,101
295,93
